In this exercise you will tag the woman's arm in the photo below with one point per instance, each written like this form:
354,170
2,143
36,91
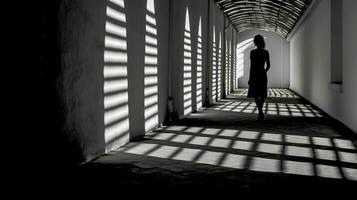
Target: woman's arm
268,62
250,56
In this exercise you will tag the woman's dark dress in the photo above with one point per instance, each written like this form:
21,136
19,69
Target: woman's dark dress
258,77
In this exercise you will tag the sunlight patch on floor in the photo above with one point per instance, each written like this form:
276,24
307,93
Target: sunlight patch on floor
252,150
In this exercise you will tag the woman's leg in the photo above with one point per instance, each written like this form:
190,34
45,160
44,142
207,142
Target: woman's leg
259,101
261,105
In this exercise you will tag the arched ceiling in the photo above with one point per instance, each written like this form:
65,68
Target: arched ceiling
279,16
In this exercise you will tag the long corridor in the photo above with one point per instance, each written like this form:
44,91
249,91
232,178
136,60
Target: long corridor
224,146
129,95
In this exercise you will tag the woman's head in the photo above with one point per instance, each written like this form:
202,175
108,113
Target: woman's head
259,41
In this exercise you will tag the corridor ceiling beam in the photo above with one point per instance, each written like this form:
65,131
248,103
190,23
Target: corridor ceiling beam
279,16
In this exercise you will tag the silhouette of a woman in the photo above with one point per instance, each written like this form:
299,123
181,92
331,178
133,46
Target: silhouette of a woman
258,79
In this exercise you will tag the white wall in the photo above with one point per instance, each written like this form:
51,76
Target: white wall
136,11
349,61
234,81
310,62
211,17
114,82
87,59
183,53
228,46
278,47
215,34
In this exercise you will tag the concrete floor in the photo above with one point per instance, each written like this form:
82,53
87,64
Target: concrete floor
224,147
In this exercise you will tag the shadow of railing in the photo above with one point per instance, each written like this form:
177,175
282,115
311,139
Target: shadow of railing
272,93
214,67
228,68
187,68
116,109
292,109
219,68
151,69
199,67
319,156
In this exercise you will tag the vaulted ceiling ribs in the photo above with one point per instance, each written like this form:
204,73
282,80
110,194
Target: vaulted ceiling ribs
279,16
